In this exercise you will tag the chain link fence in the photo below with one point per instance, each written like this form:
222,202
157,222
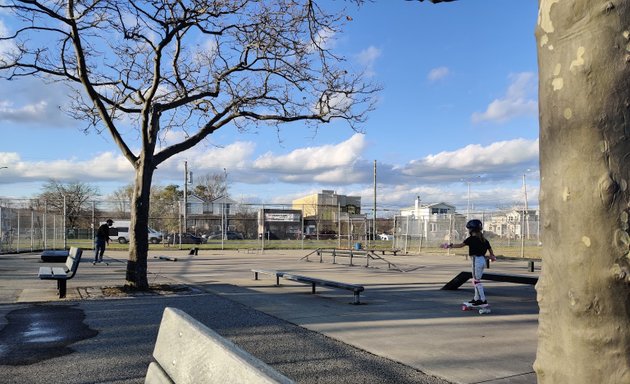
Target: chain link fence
513,233
34,225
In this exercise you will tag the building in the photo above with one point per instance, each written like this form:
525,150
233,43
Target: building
209,216
420,210
327,203
280,224
433,222
514,223
324,211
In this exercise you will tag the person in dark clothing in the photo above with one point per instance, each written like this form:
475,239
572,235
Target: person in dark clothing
101,240
478,246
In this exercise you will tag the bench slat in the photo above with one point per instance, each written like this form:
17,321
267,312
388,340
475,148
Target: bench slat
329,283
47,273
356,289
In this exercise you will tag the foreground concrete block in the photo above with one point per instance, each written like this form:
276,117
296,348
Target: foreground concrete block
187,351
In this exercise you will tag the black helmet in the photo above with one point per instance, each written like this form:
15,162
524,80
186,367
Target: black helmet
110,221
474,225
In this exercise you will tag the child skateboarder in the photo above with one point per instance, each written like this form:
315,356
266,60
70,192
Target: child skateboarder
478,245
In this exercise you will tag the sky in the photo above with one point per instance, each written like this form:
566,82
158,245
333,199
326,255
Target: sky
455,122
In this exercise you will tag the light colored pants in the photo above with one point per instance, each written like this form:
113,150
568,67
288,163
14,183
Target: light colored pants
478,266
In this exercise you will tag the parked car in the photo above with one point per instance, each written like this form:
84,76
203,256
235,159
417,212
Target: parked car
120,232
323,235
186,238
229,235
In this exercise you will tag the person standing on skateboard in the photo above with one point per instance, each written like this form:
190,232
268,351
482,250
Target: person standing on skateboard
478,246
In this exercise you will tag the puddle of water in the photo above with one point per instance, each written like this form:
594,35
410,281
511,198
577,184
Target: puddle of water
41,332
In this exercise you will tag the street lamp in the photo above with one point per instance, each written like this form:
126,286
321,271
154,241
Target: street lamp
468,181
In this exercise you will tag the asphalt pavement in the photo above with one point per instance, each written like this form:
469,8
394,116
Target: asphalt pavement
406,331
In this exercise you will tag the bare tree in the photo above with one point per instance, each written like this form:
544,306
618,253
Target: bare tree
196,64
122,199
211,186
73,196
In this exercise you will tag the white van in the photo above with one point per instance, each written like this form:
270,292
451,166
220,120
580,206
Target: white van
120,232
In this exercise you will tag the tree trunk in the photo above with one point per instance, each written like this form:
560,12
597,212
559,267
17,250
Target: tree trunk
584,96
139,236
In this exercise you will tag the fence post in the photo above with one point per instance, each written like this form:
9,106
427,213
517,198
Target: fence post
406,234
32,229
65,233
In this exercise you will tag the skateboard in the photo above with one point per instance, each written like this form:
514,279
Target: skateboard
102,262
482,309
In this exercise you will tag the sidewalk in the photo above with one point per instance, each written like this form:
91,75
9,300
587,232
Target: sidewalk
405,318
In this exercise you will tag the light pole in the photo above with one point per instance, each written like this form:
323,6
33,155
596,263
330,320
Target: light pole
525,218
224,225
468,181
526,213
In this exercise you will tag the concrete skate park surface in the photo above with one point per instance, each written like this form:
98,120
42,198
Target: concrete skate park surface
404,316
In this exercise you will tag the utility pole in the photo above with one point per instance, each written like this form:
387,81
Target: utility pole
526,207
374,209
185,199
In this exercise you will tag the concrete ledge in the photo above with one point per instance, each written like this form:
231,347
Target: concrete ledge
187,351
55,256
463,277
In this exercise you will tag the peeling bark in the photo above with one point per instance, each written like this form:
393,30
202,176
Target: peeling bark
584,96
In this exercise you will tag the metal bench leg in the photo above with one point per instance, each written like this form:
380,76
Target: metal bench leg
61,287
313,288
356,298
255,275
530,265
277,280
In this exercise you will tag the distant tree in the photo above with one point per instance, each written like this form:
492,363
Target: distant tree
122,198
211,186
75,197
199,65
164,213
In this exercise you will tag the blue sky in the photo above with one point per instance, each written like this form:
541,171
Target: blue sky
458,108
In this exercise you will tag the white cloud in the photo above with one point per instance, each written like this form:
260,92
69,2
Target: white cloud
438,73
234,156
519,100
314,159
105,166
324,39
367,58
204,53
500,159
29,112
32,101
6,46
336,104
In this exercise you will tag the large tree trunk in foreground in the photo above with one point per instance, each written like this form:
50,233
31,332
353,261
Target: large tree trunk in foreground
584,289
